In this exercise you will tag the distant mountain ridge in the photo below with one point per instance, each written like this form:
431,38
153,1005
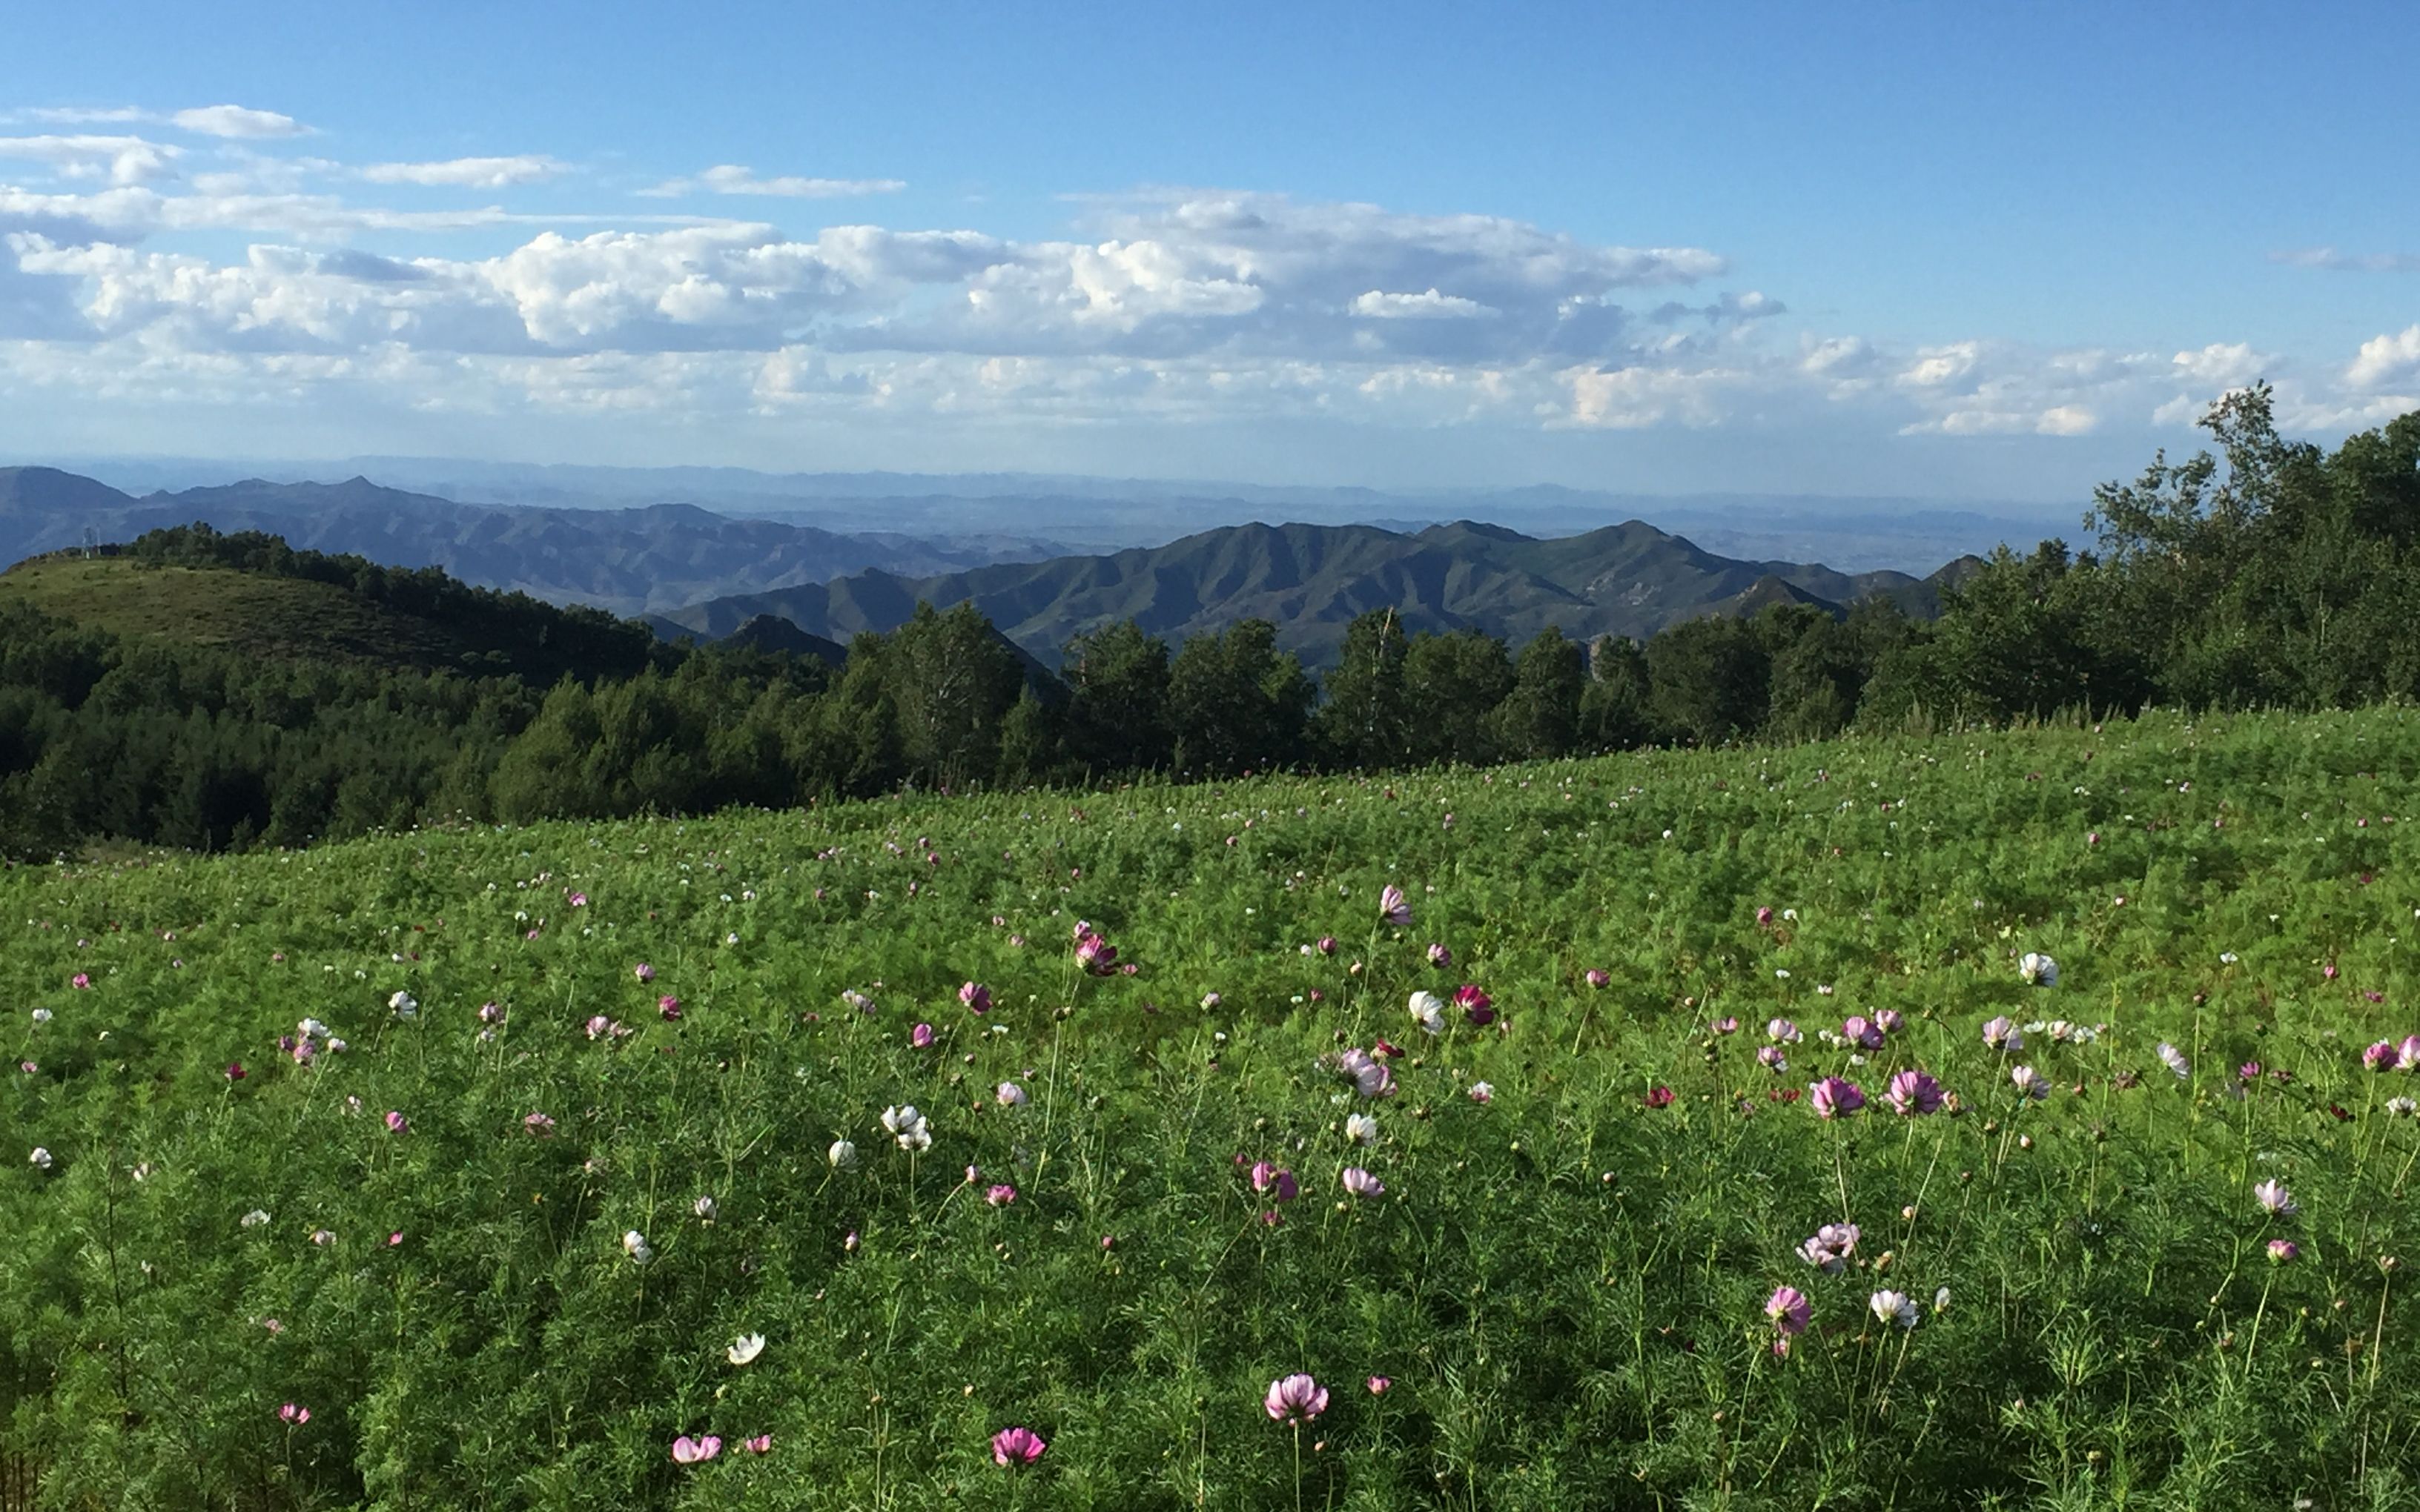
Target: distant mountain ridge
629,561
1311,581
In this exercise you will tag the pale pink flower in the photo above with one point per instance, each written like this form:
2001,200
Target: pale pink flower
688,1451
1295,1398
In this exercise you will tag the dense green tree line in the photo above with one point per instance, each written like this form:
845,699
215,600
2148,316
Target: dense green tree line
2270,574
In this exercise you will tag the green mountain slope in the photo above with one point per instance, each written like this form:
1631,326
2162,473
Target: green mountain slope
1312,579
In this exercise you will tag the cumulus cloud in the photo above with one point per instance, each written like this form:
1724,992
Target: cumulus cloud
730,178
469,173
235,121
1432,305
123,160
2386,359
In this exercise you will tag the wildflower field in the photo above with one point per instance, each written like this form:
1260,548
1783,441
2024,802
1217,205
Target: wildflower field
2015,1119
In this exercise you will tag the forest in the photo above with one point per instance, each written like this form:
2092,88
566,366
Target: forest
2266,573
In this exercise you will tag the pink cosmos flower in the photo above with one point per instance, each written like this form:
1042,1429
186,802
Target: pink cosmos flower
538,1124
1362,1184
1890,1021
80,980
394,1239
688,1451
1441,957
2407,1054
2380,1057
1830,1247
2001,1034
976,997
1725,1025
397,1122
1659,1097
289,1413
1914,1094
491,1014
1476,1004
1482,1092
1772,1059
1861,1032
1095,955
1393,908
235,1072
1271,1179
1371,1077
1015,1448
1378,1384
669,1007
2283,1250
1833,1097
1327,945
761,1444
1781,1031
1596,977
644,972
580,900
2273,1197
598,1025
1764,918
1294,1399
920,1036
1789,1309
1000,1195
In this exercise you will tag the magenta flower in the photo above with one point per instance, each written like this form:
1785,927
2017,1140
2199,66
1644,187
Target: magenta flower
920,1036
1362,1184
1096,954
235,1072
1789,1309
1294,1399
2283,1250
1017,1447
397,1122
669,1007
580,900
644,972
1764,918
1327,945
2380,1057
1861,1032
1914,1094
2249,1072
1596,977
1834,1098
1476,1004
1000,1195
1268,1178
289,1413
80,980
1441,957
1393,908
976,997
1659,1097
688,1451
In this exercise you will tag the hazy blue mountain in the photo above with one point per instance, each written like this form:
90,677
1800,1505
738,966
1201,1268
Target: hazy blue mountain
630,560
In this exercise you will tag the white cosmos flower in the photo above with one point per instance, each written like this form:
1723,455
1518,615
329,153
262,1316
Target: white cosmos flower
405,1006
1428,1011
2037,969
843,1155
635,1245
704,1208
1893,1307
41,1015
2175,1061
1011,1095
39,1159
1361,1129
745,1348
254,1219
909,1127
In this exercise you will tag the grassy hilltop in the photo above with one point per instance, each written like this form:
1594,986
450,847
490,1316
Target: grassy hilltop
501,1254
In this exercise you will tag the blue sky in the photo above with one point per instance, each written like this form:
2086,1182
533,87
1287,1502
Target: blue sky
1881,249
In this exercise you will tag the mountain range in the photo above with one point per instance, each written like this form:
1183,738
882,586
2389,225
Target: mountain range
631,560
692,572
1311,581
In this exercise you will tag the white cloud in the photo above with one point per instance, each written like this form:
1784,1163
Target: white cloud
2386,359
730,178
2220,365
235,121
126,160
2065,420
469,173
1429,306
1937,365
2348,262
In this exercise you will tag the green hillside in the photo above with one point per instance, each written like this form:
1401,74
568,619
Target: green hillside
1311,581
649,1134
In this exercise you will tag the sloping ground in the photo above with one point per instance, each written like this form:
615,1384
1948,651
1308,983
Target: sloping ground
1311,581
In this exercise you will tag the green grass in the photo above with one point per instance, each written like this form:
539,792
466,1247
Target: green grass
281,619
1565,1284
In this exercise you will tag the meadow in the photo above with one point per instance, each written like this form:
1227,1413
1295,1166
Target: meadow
1021,1149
